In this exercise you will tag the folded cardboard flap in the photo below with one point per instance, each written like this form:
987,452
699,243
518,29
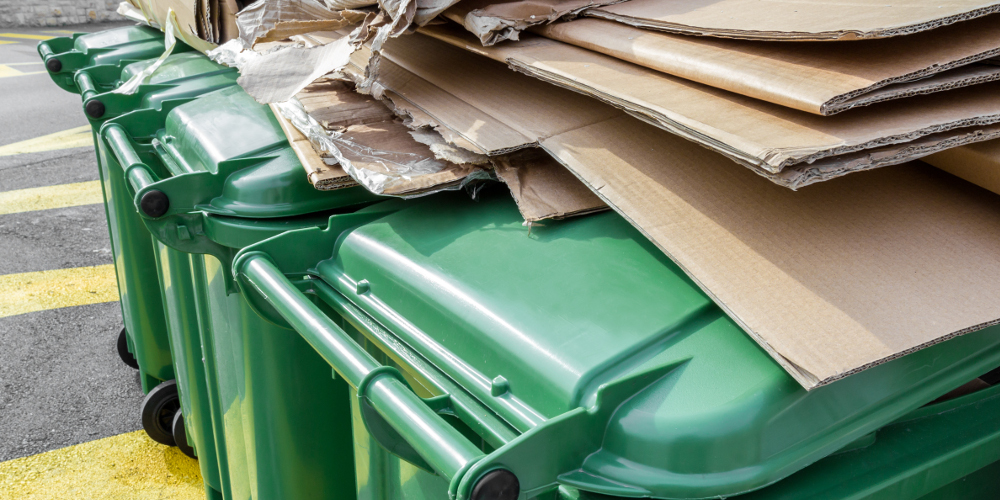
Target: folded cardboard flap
819,78
543,188
830,281
760,135
977,163
794,19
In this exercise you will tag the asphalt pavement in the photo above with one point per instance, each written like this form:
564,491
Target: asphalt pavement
61,382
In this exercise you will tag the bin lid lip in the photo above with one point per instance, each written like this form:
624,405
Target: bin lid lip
586,303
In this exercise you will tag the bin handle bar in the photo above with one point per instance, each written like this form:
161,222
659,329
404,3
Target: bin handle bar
445,449
85,84
137,173
44,50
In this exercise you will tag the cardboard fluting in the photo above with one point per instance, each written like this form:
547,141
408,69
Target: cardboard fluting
819,78
826,20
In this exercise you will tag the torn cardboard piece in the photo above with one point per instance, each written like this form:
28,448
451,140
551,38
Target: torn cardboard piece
757,134
977,163
814,77
543,188
186,19
494,21
371,145
845,276
322,176
794,19
276,20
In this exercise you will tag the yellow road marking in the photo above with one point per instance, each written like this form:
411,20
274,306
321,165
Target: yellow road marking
48,197
29,37
6,41
59,31
42,290
128,466
73,138
6,72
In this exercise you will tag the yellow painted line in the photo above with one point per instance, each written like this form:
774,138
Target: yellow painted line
42,290
128,466
23,63
29,37
73,138
48,197
59,31
6,41
6,72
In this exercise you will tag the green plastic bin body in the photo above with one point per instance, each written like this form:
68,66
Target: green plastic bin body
582,362
105,54
164,337
232,180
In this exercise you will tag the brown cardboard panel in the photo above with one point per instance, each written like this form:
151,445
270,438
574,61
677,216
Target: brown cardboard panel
832,280
228,29
977,163
795,19
493,21
816,77
755,133
322,176
543,188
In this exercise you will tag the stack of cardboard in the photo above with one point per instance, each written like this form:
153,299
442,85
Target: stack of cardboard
692,119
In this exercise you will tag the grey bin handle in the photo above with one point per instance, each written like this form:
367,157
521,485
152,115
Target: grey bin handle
443,448
153,203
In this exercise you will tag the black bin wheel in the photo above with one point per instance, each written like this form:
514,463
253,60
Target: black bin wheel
158,410
180,435
123,353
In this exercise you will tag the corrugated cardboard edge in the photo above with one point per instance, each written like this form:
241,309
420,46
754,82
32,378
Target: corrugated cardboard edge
845,35
322,176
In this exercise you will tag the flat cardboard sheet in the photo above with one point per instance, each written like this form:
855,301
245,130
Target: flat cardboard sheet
831,281
977,163
763,136
794,19
543,188
819,78
276,20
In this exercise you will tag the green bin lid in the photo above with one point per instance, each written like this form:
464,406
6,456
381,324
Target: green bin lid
583,303
228,134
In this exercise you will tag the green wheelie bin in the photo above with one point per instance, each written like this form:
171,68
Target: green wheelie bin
209,177
92,64
580,363
152,325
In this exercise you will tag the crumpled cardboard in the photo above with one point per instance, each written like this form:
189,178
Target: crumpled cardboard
369,143
322,176
829,281
819,78
766,137
824,20
276,20
494,21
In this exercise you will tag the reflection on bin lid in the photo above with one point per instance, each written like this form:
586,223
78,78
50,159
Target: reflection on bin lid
229,134
583,304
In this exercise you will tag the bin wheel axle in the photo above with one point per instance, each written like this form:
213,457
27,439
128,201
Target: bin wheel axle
123,353
158,411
